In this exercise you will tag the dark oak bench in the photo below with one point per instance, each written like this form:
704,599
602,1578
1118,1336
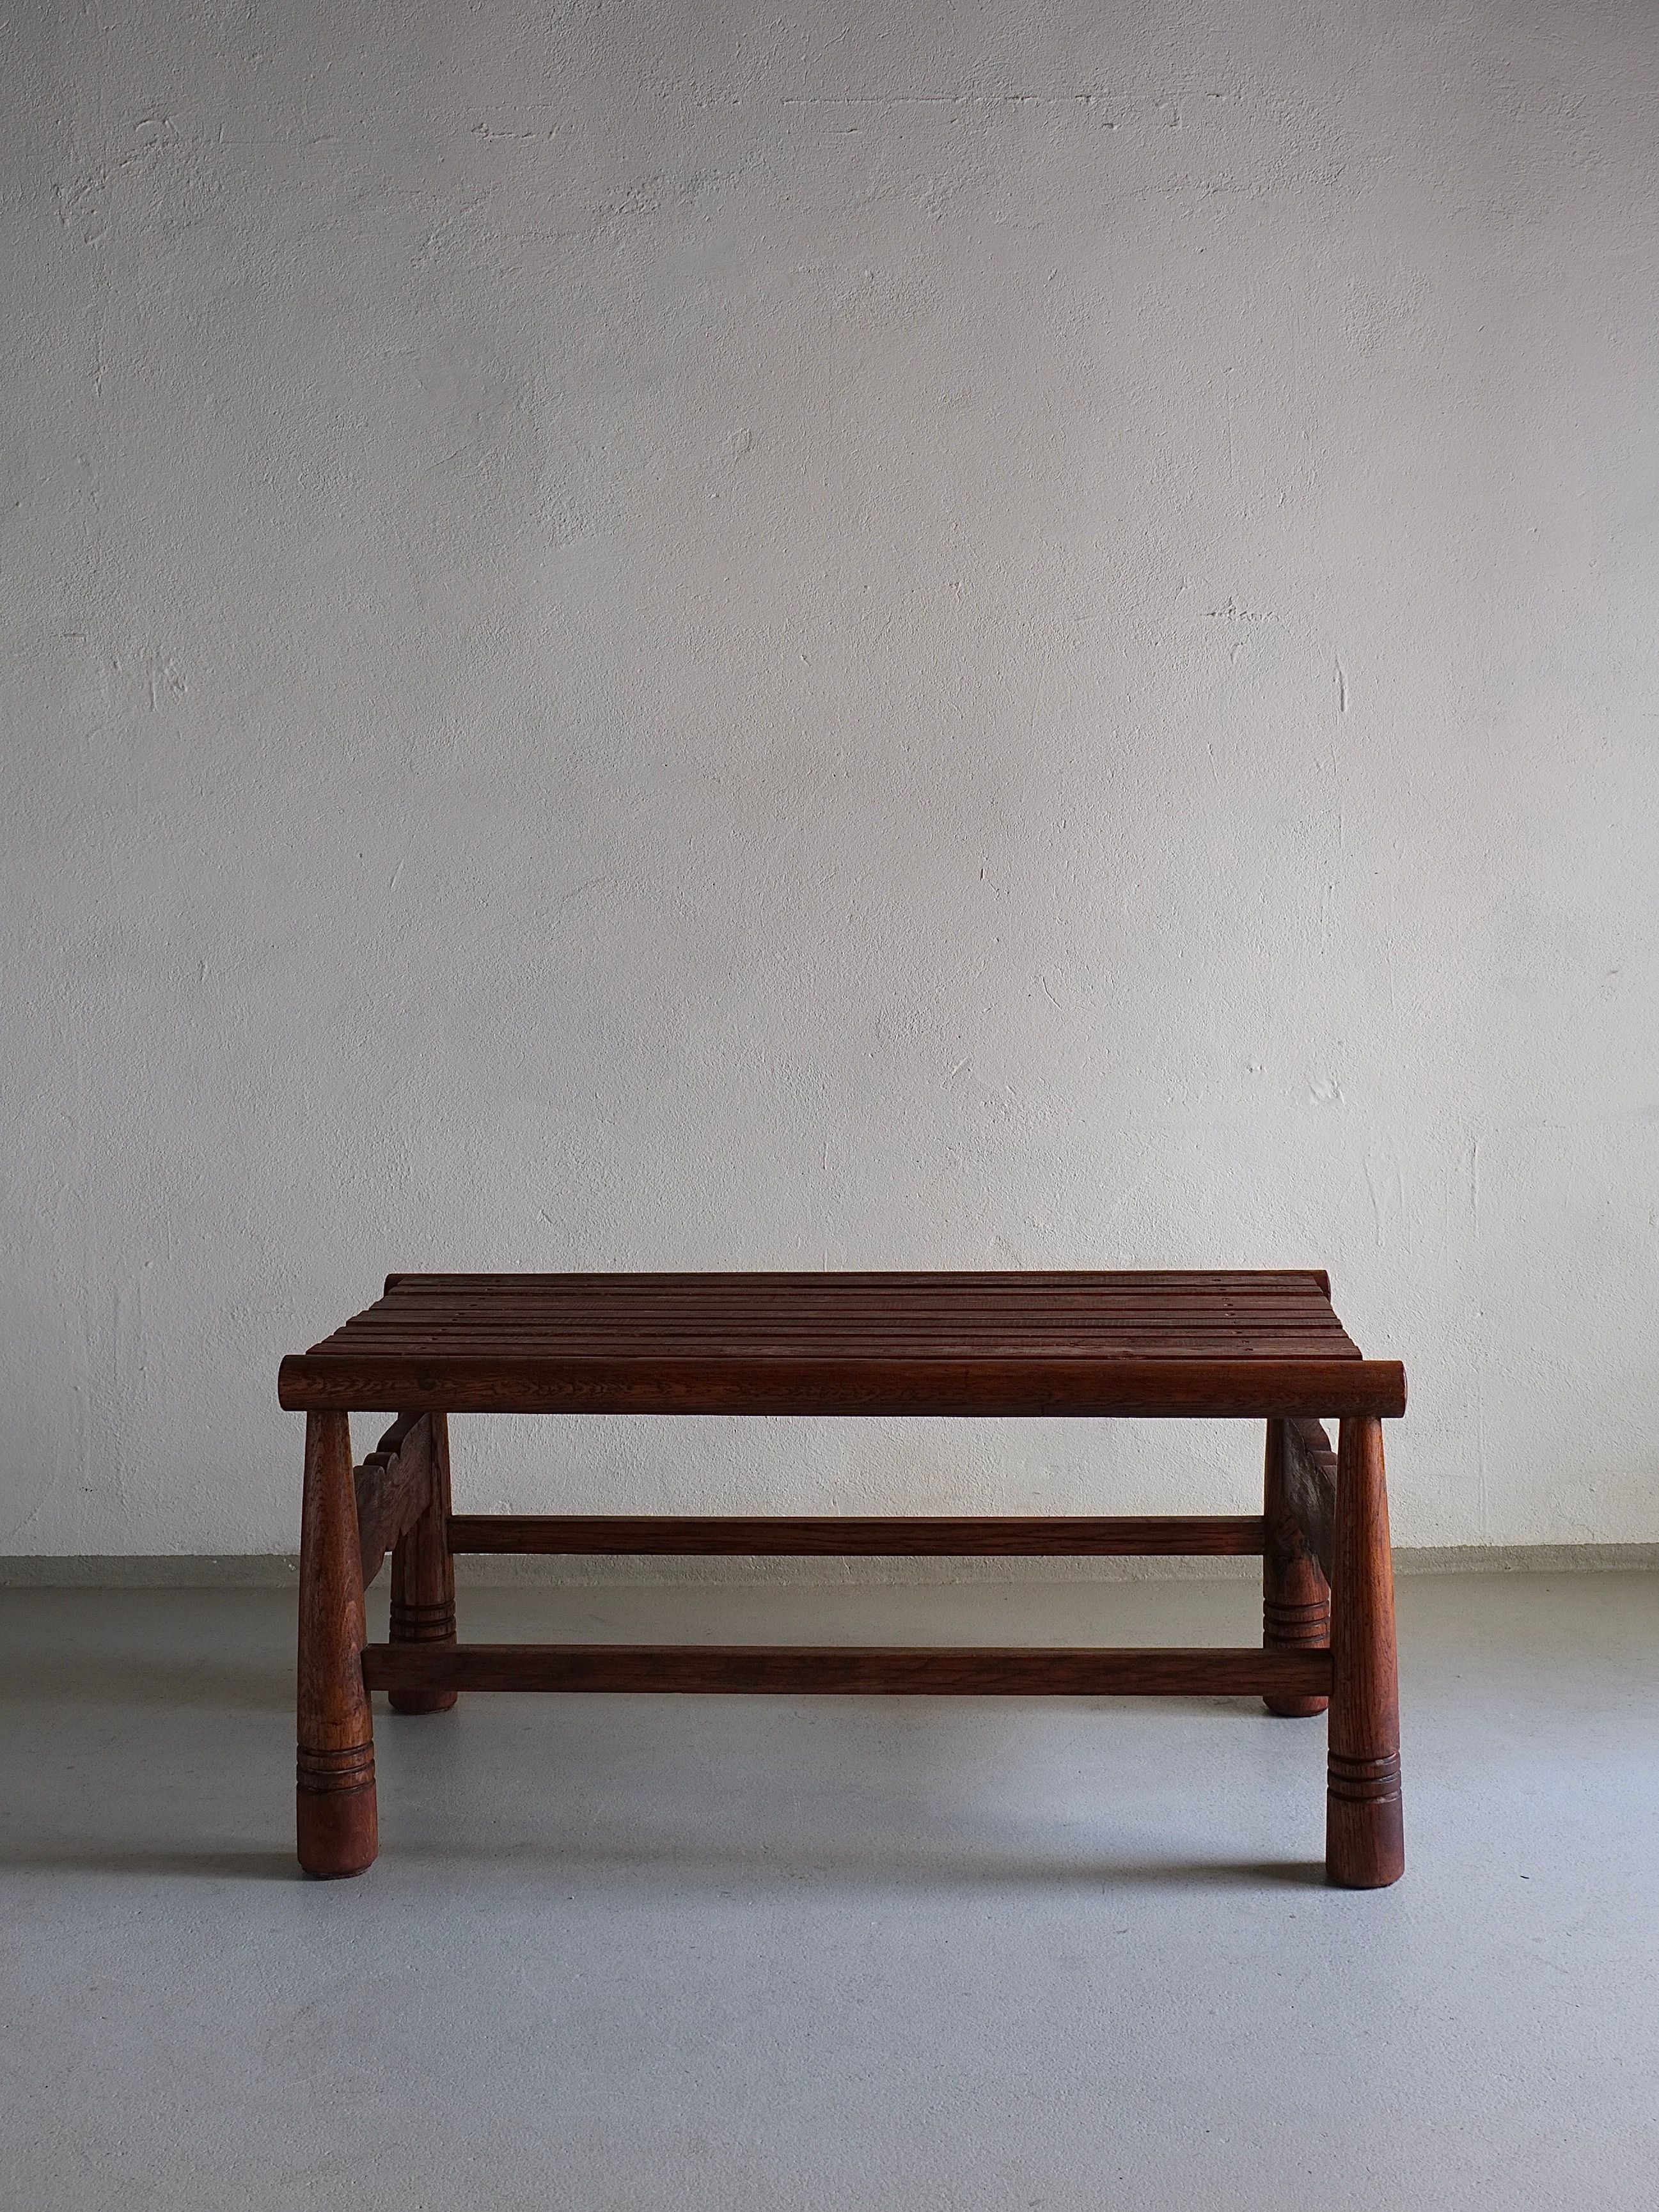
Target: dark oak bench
1263,1345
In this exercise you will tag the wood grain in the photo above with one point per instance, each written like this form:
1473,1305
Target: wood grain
1238,1342
849,1536
393,1485
1295,1600
849,1670
1230,1344
335,1807
422,1572
928,1282
1245,1387
1309,1487
1365,1834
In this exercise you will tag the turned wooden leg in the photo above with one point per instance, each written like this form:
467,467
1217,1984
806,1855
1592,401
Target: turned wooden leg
423,1578
1295,1599
336,1812
1364,1837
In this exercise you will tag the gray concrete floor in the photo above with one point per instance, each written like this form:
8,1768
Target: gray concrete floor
822,1954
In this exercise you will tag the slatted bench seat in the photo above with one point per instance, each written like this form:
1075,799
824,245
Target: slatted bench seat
1259,1345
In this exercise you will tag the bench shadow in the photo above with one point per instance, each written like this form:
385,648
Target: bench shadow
725,1872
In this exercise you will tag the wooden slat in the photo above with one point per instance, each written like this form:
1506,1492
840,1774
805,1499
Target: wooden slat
848,1536
393,1488
761,1298
1136,1279
977,1296
847,1670
981,1296
766,1312
848,1286
813,1345
988,1300
805,1349
1053,1330
814,1297
1242,1387
937,1333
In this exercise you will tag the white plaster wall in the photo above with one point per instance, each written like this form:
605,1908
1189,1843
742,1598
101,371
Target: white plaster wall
685,634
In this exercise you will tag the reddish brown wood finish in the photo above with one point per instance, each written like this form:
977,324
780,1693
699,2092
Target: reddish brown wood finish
423,1573
1309,1487
1227,1343
846,1670
338,1831
1365,1835
1057,1385
394,1487
1231,1345
848,1536
1295,1600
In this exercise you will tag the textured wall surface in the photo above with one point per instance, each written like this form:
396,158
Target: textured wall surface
682,635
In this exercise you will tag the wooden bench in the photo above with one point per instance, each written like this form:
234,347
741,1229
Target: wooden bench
1263,1345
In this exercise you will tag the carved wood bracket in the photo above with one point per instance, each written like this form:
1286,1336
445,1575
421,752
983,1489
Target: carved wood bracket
394,1487
1310,1486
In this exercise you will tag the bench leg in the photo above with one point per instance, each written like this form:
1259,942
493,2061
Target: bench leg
1295,1599
335,1820
423,1579
1364,1837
